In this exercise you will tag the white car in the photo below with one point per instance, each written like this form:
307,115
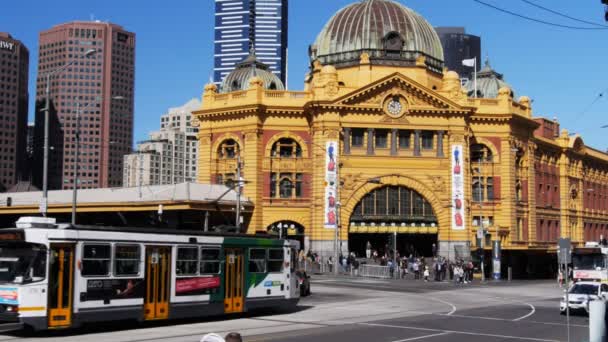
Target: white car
581,293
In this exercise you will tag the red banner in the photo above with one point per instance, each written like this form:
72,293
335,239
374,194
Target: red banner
196,284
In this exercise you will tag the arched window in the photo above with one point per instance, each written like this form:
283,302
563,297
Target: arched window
480,153
394,204
273,86
235,85
228,149
286,148
478,191
286,185
393,42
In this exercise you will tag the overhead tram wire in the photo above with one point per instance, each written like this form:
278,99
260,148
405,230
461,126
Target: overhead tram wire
563,15
538,20
597,98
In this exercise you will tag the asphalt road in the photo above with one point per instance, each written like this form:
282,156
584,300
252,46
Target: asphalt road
372,310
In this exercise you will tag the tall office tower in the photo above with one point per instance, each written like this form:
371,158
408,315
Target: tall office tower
458,46
100,87
170,155
14,68
243,25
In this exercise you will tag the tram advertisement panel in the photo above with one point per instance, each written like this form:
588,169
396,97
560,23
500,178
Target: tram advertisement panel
8,295
105,289
196,286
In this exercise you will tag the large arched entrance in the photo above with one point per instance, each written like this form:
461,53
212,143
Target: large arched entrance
390,211
288,229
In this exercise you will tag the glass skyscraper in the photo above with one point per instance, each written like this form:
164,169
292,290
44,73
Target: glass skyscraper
243,25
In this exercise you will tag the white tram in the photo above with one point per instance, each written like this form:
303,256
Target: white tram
60,276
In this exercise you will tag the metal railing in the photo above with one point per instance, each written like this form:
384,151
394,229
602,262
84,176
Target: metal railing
374,271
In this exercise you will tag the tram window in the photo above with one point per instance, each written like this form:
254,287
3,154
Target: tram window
210,261
96,260
275,260
187,261
257,260
126,260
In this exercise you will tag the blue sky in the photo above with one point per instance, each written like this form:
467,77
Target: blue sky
562,70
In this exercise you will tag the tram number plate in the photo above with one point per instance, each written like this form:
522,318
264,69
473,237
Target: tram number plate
231,259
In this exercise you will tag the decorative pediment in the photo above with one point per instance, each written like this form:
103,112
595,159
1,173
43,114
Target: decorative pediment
415,97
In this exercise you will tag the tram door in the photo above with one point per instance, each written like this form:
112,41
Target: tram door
158,273
61,286
234,280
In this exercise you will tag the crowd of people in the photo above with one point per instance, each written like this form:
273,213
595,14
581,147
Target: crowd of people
435,268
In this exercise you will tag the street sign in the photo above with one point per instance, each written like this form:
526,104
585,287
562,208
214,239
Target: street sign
564,248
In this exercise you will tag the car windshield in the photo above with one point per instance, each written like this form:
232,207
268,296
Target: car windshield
586,289
588,261
21,262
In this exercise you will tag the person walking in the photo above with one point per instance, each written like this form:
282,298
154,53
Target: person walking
426,273
416,267
368,250
391,268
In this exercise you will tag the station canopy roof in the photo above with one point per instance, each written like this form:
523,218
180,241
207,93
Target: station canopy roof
191,193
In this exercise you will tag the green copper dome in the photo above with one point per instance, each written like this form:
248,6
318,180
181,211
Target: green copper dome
388,31
238,79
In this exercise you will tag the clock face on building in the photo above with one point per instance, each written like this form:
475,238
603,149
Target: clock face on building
394,107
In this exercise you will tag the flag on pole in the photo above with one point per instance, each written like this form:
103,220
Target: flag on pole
469,62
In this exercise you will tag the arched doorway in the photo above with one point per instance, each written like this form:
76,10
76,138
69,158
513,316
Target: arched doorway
290,229
390,211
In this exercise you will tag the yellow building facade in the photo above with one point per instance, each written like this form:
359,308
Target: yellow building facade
382,140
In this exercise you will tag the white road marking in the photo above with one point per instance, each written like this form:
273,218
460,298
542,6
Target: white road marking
422,337
444,302
529,314
459,332
510,320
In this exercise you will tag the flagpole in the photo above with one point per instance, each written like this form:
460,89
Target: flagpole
475,75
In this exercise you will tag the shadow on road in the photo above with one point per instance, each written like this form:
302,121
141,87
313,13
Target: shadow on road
116,326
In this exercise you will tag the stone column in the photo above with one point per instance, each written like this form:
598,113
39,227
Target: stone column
394,142
370,141
440,144
346,140
417,142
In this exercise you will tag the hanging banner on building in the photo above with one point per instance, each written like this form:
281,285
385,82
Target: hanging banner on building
457,188
331,184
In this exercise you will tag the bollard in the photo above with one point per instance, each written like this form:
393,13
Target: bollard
509,273
597,321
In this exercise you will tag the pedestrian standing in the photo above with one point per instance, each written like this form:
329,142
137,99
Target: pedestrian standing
416,267
426,273
434,250
368,250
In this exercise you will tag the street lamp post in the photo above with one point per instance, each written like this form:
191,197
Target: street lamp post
45,163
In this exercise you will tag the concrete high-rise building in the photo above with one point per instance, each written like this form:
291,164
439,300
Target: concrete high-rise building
170,155
14,68
243,25
100,87
458,46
